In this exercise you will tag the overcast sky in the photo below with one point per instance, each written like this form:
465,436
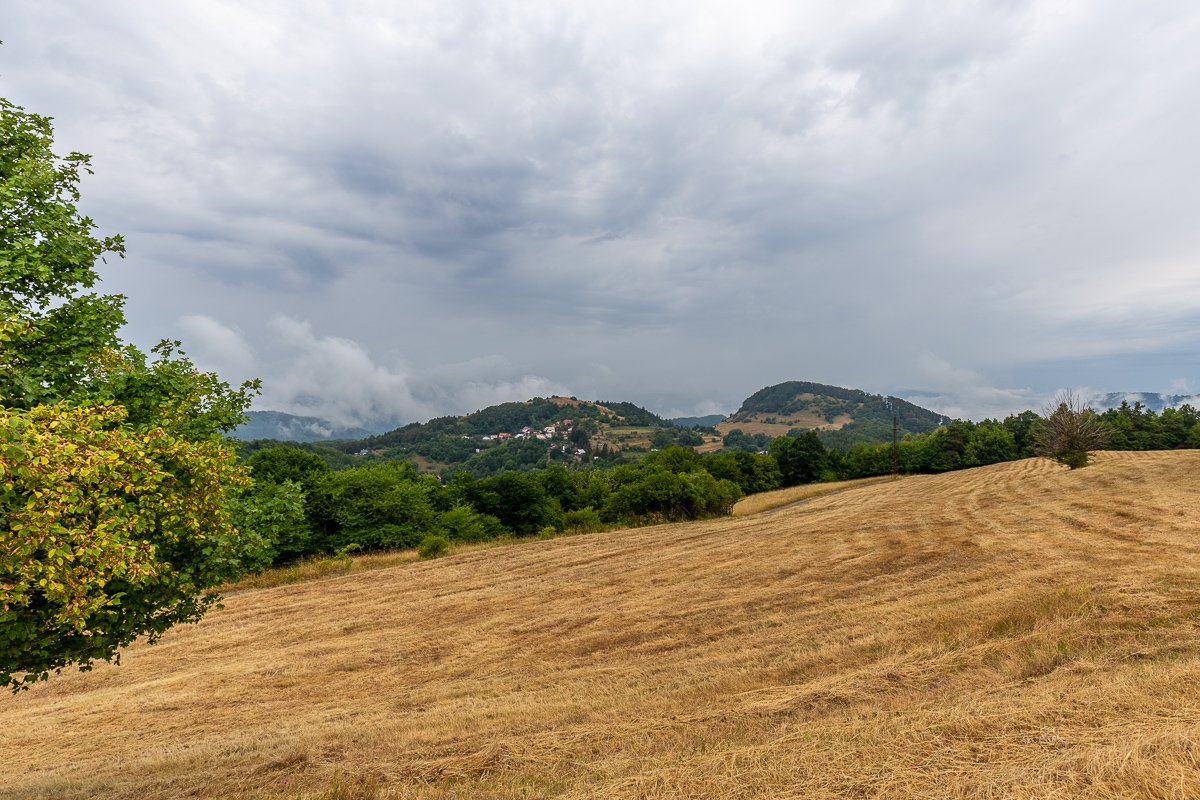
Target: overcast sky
391,211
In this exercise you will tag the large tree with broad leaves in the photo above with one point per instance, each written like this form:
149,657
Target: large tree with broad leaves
114,473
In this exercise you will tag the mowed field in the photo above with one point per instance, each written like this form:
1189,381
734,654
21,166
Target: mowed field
1015,631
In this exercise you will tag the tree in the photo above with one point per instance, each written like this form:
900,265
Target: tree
279,464
989,443
946,447
518,500
274,514
1021,427
801,458
1069,430
114,475
379,506
656,494
750,471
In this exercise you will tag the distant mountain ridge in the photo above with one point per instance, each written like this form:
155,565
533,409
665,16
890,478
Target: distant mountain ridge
1153,401
292,428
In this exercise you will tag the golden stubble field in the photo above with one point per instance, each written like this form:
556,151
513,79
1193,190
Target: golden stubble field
1016,631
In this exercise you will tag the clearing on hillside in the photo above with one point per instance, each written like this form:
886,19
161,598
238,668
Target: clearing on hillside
1013,631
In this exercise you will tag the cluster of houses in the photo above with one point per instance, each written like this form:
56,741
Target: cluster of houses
562,429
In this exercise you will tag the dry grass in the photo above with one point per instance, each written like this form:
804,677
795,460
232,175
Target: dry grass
755,422
782,498
317,568
1016,631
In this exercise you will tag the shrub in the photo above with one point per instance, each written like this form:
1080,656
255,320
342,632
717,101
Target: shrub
433,546
584,520
463,524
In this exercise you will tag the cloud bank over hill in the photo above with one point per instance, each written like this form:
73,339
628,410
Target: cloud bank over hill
337,380
669,203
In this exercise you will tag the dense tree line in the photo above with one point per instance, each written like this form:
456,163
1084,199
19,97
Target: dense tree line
297,506
963,444
1139,428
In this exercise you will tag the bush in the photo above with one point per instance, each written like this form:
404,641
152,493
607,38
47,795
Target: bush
657,495
584,520
433,546
464,524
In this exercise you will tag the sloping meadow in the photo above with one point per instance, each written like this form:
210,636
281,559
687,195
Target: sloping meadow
1014,631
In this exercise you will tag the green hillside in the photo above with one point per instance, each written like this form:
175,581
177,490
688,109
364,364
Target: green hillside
523,436
842,417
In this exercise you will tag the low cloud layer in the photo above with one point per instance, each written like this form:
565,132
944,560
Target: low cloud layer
336,379
674,204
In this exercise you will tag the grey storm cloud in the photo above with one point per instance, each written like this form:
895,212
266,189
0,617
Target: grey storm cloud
675,203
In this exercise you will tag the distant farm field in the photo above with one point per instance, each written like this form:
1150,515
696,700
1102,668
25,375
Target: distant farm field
779,424
1014,631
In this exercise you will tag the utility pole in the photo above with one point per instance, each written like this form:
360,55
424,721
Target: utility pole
895,444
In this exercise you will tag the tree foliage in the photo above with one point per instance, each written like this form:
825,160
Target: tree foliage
801,458
110,533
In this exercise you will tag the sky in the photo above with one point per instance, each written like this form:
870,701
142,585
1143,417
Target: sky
394,211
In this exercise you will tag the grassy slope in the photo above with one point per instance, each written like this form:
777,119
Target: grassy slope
1011,631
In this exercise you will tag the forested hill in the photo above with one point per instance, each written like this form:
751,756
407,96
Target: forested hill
537,413
842,417
523,435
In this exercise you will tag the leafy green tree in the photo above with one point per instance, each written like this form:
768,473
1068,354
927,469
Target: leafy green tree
114,476
865,460
659,495
518,500
275,467
433,546
946,447
1021,427
1174,425
272,516
378,506
737,439
463,524
57,342
279,464
675,459
801,458
989,443
750,471
560,484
